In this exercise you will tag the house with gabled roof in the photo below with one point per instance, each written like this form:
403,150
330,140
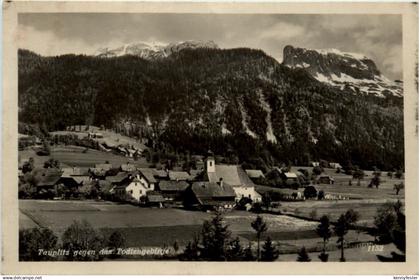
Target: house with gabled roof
173,190
118,179
147,177
134,188
209,195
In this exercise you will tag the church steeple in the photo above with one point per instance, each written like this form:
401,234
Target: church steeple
210,162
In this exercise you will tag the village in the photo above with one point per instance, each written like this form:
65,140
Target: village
109,180
207,187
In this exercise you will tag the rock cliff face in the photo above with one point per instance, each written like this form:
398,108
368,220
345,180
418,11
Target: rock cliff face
343,70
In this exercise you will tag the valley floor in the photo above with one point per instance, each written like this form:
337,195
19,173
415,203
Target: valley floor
154,227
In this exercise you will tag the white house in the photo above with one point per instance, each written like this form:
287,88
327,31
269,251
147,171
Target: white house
136,188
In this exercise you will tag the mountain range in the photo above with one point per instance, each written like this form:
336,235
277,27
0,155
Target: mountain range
153,50
240,103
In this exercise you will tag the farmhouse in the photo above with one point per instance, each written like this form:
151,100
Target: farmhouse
69,182
134,188
325,179
173,190
154,199
47,177
147,178
209,195
289,176
234,176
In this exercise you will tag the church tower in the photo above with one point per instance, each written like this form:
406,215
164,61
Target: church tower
211,165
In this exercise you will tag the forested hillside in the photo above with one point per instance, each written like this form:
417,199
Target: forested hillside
239,103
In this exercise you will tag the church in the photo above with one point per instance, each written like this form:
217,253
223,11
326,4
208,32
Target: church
234,176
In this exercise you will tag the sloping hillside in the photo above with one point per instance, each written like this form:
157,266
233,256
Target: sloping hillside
239,103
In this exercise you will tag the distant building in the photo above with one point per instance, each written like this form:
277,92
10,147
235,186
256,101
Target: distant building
325,179
209,195
335,165
47,177
254,173
234,176
178,175
173,190
154,199
314,163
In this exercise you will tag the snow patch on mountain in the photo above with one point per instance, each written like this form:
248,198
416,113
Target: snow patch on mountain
344,70
153,50
244,116
270,134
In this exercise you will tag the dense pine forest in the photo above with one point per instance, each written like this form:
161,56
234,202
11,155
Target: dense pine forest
240,103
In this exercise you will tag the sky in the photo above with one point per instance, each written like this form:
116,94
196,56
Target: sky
379,37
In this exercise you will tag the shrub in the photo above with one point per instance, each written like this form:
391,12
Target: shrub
310,192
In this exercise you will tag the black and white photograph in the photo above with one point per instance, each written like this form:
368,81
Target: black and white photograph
211,137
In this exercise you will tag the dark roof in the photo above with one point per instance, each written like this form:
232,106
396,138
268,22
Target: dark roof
178,175
148,174
159,173
121,176
212,190
173,185
47,177
233,175
155,198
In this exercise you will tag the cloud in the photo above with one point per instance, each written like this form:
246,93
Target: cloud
377,36
47,43
282,31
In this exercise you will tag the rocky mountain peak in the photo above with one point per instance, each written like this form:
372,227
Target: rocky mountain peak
342,69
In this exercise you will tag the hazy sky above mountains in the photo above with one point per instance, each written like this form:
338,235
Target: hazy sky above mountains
377,36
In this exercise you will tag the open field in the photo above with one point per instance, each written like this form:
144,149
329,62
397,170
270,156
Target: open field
147,227
367,209
79,156
110,138
351,254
